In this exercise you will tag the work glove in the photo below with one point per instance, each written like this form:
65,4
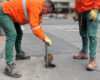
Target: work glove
48,41
75,16
93,15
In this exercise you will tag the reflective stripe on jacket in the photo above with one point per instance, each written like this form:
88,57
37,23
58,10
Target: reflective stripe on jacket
15,9
85,5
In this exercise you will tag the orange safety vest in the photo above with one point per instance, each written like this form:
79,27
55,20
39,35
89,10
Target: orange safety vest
86,5
16,10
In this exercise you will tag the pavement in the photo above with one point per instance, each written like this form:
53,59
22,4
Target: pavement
63,49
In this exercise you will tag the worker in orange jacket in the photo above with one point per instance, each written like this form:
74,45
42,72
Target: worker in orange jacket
13,13
86,12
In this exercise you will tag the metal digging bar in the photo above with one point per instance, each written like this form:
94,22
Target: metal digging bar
46,53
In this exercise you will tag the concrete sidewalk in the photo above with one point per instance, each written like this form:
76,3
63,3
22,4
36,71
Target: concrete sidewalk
67,68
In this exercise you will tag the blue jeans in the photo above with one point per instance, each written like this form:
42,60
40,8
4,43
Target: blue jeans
88,31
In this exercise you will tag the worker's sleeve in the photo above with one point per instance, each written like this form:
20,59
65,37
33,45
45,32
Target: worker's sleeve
75,9
35,22
96,4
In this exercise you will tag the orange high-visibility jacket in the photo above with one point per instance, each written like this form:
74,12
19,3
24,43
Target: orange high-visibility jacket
85,5
14,8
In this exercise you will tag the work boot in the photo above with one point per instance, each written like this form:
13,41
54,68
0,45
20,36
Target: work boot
51,65
92,64
10,70
81,55
22,56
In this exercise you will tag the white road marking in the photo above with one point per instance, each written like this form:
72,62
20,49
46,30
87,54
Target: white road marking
66,27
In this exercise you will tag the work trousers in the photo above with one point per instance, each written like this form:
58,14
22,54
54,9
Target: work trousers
88,31
13,33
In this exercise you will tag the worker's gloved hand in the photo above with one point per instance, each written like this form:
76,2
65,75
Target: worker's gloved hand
48,41
75,16
93,15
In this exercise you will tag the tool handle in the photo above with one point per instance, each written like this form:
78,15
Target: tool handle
46,53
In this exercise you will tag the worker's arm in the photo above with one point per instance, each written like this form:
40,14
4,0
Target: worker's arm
34,20
75,14
96,4
75,8
94,11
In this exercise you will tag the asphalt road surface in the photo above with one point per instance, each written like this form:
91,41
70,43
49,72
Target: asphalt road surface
64,34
